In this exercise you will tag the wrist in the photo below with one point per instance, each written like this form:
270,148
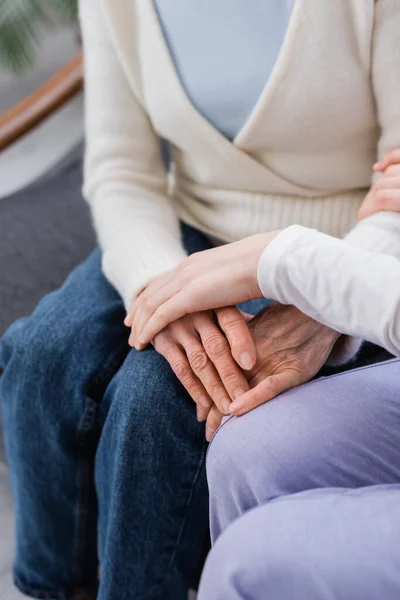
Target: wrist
262,242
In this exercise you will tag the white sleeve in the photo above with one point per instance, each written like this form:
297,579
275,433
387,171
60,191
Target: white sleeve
352,290
125,182
378,234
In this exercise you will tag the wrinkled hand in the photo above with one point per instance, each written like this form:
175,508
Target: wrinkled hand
291,349
222,276
202,358
385,192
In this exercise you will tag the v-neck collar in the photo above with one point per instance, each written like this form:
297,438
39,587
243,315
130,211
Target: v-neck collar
160,80
267,92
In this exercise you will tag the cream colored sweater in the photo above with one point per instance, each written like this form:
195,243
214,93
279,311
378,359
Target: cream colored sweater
303,157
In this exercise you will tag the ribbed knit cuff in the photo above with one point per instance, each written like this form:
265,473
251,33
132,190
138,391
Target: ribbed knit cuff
129,267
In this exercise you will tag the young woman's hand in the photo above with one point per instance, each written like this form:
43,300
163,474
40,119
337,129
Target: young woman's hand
201,357
291,349
214,278
385,192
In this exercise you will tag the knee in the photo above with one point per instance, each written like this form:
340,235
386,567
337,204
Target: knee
33,344
243,468
255,557
271,452
239,567
40,362
148,423
146,399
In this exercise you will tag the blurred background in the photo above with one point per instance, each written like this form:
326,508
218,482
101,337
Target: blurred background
44,224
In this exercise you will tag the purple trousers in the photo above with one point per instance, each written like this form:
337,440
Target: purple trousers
305,494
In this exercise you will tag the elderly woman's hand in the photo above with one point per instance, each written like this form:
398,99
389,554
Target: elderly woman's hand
200,350
385,192
214,278
291,349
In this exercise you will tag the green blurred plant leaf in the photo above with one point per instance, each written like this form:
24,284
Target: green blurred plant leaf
21,27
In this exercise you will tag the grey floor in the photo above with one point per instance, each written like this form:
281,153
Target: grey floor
7,591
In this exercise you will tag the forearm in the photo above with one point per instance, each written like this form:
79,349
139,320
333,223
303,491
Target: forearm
353,290
125,181
139,234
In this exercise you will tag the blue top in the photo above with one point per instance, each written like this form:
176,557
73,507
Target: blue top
224,53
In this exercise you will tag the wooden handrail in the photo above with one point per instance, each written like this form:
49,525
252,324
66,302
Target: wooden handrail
39,105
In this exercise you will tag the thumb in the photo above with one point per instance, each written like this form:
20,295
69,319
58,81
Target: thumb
234,325
266,390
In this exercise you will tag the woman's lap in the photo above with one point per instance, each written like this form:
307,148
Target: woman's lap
315,545
69,378
339,431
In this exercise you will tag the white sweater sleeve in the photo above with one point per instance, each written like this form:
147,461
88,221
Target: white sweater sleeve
352,290
125,181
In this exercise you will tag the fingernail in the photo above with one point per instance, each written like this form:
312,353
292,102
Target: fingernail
234,407
209,433
226,405
238,393
246,361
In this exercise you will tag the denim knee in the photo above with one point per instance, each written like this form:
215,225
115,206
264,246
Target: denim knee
146,396
46,365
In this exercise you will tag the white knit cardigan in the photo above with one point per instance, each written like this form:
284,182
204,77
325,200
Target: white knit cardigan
303,157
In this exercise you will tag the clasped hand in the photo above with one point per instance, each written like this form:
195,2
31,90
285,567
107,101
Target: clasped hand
228,362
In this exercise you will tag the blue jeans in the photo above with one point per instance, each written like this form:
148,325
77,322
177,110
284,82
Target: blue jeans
106,455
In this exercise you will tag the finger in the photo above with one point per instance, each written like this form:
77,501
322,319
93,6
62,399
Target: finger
181,304
265,391
147,304
214,420
202,412
150,306
180,366
234,326
218,351
129,317
391,158
392,171
206,372
141,301
387,183
389,200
